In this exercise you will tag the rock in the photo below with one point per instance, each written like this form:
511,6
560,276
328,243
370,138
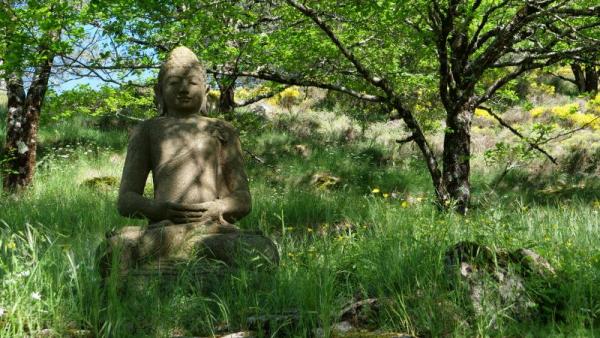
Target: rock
242,334
259,109
360,313
496,281
345,330
102,182
324,180
534,263
270,323
302,150
342,327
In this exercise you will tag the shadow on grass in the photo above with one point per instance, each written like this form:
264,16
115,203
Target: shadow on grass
549,190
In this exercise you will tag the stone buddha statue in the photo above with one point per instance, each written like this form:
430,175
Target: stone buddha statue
200,186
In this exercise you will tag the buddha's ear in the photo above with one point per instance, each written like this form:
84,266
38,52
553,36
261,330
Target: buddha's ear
158,98
204,104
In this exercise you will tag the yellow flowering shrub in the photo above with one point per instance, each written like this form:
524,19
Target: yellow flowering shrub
541,88
483,114
537,111
286,98
593,105
581,119
214,94
564,111
244,93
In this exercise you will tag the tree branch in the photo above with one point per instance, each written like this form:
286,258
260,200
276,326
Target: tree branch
260,97
567,133
564,78
558,55
518,134
366,74
297,81
504,37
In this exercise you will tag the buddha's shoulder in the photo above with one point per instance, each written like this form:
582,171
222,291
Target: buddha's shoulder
220,128
216,127
155,122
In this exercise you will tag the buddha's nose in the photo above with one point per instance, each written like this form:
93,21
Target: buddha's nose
183,89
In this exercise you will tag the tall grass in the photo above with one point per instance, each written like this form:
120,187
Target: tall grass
3,111
336,244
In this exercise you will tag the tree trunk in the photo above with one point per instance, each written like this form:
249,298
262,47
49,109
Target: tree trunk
456,156
432,165
579,77
23,118
586,79
226,103
591,78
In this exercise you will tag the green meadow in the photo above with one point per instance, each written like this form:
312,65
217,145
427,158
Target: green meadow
352,219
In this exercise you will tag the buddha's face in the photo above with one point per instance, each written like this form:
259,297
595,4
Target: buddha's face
183,91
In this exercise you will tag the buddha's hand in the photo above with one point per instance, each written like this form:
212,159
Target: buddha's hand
193,213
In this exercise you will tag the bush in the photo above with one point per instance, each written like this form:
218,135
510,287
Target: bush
289,97
108,103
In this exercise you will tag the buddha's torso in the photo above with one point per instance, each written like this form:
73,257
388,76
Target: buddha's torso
185,155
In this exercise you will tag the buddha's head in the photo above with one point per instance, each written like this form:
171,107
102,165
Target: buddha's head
181,86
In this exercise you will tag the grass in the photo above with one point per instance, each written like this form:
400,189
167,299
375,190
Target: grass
335,244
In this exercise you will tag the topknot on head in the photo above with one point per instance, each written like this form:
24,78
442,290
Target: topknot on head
181,57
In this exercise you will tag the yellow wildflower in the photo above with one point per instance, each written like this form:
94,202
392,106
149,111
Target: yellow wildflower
483,113
386,195
11,245
566,110
537,111
376,191
404,204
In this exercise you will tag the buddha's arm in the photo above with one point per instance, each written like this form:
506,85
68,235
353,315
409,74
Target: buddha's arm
236,203
131,202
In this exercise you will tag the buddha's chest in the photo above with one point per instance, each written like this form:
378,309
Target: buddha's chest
178,144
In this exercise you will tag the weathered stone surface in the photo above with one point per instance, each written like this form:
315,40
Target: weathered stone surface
302,150
171,248
324,180
102,182
496,281
360,313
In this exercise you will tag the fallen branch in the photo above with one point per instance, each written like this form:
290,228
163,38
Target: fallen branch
118,114
258,159
406,139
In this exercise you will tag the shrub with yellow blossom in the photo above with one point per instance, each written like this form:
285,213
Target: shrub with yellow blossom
287,98
593,105
537,111
483,114
542,89
564,111
244,93
583,119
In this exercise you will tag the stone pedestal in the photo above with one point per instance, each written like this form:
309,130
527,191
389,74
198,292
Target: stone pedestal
168,249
